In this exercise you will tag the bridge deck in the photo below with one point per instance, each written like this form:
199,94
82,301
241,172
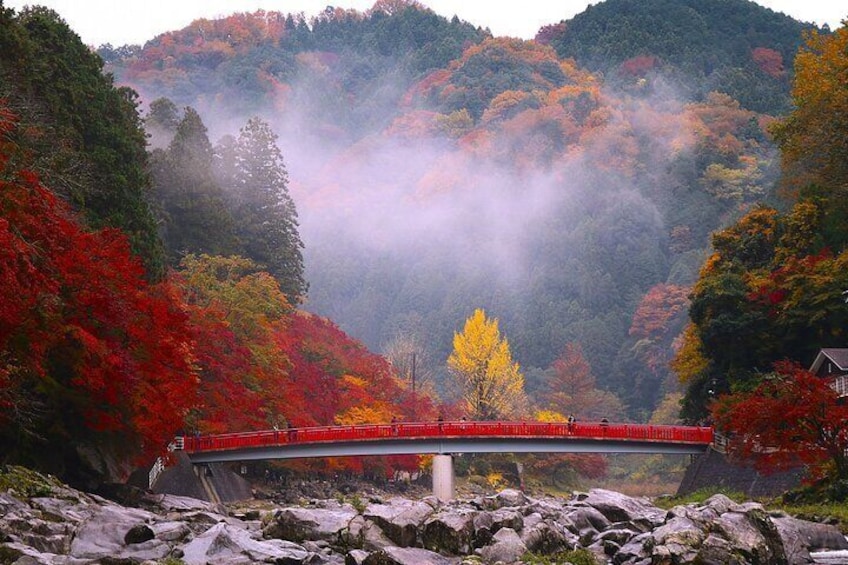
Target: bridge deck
448,437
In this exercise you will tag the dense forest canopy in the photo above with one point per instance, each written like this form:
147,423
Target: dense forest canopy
737,47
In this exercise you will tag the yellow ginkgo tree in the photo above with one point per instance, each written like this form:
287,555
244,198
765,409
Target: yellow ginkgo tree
491,382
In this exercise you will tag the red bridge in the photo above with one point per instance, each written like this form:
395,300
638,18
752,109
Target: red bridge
448,437
445,438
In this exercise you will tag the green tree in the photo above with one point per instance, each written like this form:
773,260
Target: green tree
82,134
163,118
267,222
491,382
195,214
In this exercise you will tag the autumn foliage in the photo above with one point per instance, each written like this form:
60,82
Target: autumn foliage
792,418
87,347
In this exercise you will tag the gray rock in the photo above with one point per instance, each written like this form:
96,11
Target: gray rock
583,518
400,519
681,532
752,536
298,524
636,550
367,535
355,557
715,551
813,535
103,534
548,537
407,556
226,544
450,531
617,507
170,531
795,547
174,503
507,547
507,497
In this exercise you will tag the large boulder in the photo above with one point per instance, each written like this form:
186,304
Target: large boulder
548,537
507,497
801,538
617,507
400,519
225,544
753,536
104,534
507,547
367,535
450,531
299,524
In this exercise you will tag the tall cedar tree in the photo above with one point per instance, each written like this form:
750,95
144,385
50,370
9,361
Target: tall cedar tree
266,217
491,382
196,218
91,356
792,418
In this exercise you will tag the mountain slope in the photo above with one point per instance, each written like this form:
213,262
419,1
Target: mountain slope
732,46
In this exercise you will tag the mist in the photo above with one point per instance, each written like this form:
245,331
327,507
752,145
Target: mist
554,209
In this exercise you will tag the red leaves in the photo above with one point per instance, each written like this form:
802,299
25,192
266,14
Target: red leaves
791,418
769,61
658,308
79,323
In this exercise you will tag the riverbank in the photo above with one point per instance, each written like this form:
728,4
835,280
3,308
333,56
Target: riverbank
43,521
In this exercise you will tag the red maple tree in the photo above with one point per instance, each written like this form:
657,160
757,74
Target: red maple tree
90,352
792,418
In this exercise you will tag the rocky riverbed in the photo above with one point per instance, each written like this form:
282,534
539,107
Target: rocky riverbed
55,524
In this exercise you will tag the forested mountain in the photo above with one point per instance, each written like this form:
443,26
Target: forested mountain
736,47
437,169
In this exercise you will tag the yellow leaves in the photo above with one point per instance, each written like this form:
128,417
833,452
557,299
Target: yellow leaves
456,124
813,140
690,360
375,413
733,184
492,384
351,381
550,416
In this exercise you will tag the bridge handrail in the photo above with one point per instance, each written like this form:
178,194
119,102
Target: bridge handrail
450,429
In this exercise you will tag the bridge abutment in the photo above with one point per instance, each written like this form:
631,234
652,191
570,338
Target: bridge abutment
443,477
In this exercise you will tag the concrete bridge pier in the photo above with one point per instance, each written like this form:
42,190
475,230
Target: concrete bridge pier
443,477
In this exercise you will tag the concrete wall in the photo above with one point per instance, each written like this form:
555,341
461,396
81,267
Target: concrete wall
182,479
713,470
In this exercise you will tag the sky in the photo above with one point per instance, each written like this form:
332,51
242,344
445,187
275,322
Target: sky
122,22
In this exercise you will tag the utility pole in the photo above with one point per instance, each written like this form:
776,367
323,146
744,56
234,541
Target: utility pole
413,387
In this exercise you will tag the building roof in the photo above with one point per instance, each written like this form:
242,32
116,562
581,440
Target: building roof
837,356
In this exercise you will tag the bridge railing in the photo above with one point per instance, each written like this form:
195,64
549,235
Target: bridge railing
450,429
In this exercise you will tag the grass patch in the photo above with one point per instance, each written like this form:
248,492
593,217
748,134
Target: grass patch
699,497
24,482
576,557
822,512
801,506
